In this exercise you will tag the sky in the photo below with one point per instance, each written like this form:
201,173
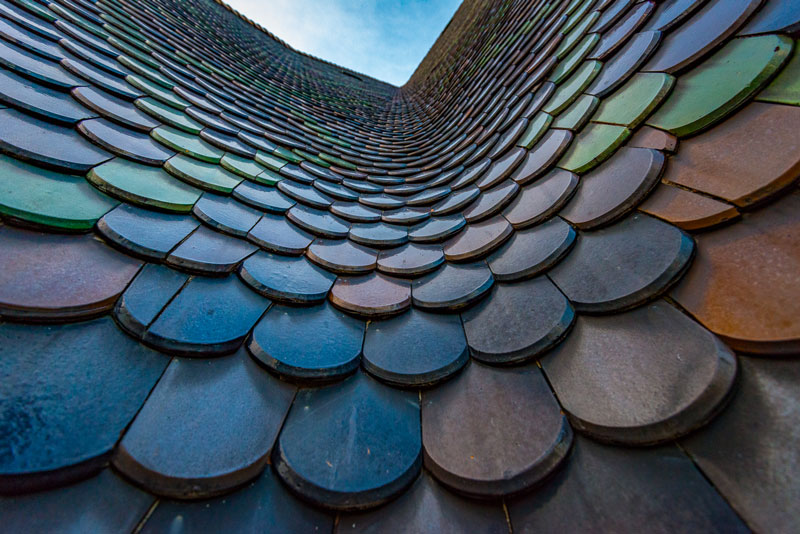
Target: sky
385,39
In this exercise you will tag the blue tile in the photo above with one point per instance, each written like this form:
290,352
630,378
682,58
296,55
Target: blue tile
146,296
68,393
318,343
145,233
352,445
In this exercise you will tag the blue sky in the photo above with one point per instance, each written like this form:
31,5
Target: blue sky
385,39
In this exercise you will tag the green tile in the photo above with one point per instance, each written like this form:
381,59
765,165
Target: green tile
535,130
568,64
593,146
186,143
725,81
140,68
573,87
208,176
269,177
268,160
339,162
287,155
168,114
576,34
313,158
49,198
785,88
634,101
132,51
242,166
156,91
143,185
574,117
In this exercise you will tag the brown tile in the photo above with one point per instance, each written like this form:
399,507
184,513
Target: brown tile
746,159
686,209
374,295
744,283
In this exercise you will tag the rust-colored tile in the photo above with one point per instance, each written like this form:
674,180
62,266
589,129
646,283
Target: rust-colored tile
744,160
745,282
687,210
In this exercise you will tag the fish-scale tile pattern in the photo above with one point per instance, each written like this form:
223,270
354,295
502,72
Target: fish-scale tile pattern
550,284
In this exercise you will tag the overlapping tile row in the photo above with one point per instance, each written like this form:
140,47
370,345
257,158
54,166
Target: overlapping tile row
549,284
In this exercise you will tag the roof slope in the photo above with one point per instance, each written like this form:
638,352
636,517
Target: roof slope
550,284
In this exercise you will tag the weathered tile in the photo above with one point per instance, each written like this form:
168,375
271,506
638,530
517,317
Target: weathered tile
143,185
276,234
225,214
47,198
659,489
208,176
318,343
518,322
736,161
593,145
785,87
146,296
541,199
612,393
478,239
700,34
59,278
493,432
623,265
427,508
145,233
532,251
114,109
614,188
749,451
47,144
744,285
281,278
342,256
687,210
350,446
543,156
264,503
452,287
208,317
415,348
726,80
19,92
66,399
374,295
216,449
103,503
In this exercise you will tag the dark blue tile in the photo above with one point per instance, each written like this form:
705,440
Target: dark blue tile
262,196
47,144
378,234
35,67
20,92
29,41
308,344
209,317
101,78
353,445
114,109
103,503
225,214
69,391
210,253
143,232
321,223
218,447
262,504
293,280
146,296
136,146
275,233
415,348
